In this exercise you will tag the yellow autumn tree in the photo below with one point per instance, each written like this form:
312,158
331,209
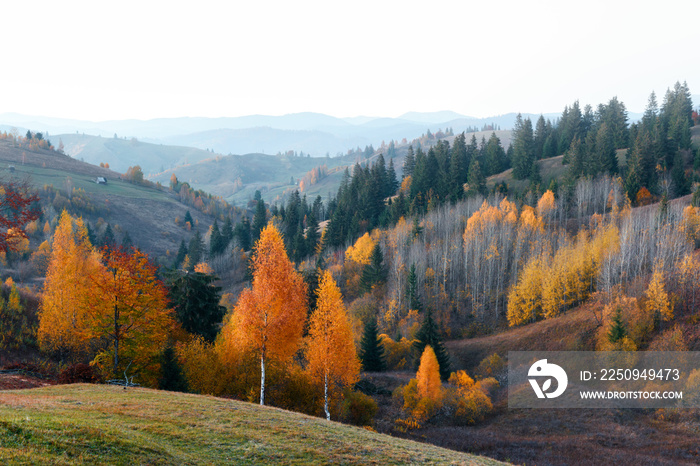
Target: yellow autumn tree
525,298
657,297
361,251
423,395
332,358
268,320
64,302
546,205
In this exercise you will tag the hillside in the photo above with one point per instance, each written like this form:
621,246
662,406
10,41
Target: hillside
147,213
121,153
87,424
236,177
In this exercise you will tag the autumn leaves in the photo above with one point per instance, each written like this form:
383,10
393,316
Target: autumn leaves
110,307
269,320
106,305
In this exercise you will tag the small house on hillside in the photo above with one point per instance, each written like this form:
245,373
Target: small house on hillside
101,180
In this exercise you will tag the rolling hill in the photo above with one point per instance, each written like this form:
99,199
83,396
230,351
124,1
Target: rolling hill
121,154
147,213
88,424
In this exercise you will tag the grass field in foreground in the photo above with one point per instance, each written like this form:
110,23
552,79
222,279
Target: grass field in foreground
76,424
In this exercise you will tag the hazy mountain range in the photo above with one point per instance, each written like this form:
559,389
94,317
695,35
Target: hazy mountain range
311,133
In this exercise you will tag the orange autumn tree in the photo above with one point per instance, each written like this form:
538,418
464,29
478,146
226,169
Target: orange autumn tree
63,306
428,376
269,317
129,311
331,354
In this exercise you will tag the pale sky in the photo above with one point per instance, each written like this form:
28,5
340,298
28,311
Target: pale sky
98,60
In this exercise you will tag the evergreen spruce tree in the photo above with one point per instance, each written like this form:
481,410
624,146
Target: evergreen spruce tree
371,349
242,232
196,249
477,180
259,219
126,241
181,253
409,163
108,237
188,218
227,230
196,303
428,334
617,331
459,167
216,241
392,182
523,158
171,376
680,183
374,272
412,289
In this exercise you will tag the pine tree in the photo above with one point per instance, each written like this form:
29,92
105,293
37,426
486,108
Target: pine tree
428,334
412,289
259,219
188,218
216,241
374,272
171,376
477,180
181,253
371,348
126,241
523,158
459,166
227,230
107,239
196,299
195,249
242,232
617,331
409,163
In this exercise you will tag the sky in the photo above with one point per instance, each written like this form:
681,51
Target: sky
149,59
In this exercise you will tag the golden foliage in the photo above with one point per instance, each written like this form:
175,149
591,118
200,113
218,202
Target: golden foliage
548,285
204,267
64,304
331,355
657,297
397,354
268,320
546,204
428,376
525,298
469,400
361,251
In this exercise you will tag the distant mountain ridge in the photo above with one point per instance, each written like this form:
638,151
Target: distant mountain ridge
312,133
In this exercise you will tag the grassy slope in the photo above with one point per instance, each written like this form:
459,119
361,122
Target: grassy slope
76,424
147,213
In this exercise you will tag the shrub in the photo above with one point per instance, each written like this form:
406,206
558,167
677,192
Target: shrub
78,373
492,366
358,409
